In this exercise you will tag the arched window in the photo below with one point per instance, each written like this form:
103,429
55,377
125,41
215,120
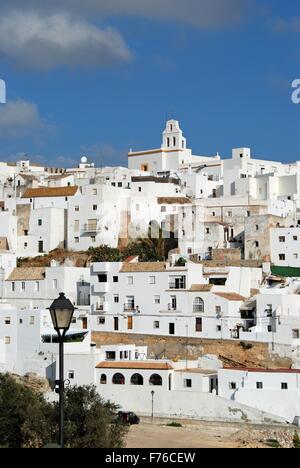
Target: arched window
137,379
198,305
118,379
103,380
155,379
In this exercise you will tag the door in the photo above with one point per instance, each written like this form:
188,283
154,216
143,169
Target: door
198,324
171,328
84,323
130,323
41,246
116,323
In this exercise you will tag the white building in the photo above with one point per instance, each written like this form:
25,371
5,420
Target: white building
275,391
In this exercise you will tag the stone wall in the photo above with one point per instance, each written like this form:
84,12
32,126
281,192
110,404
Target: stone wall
232,353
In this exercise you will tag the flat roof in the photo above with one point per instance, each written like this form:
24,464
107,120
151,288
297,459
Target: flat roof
267,371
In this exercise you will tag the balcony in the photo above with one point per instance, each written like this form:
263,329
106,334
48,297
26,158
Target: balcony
177,285
100,288
101,307
130,308
171,310
91,228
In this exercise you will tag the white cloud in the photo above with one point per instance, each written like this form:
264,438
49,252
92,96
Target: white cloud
18,119
36,40
202,13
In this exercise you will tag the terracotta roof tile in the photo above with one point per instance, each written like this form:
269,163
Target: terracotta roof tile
49,192
141,365
173,201
27,274
231,296
201,287
151,267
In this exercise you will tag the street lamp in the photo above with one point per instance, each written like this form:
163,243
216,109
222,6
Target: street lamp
152,411
61,311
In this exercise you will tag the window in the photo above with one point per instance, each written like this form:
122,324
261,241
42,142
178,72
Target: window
137,379
256,244
168,142
156,299
296,256
259,385
76,240
94,191
130,280
295,238
31,320
218,310
296,334
163,209
37,286
257,227
118,379
7,340
198,305
23,286
93,238
152,280
120,184
71,375
156,325
174,141
7,321
218,328
76,208
187,383
284,386
40,222
54,284
248,214
155,379
282,257
95,207
13,286
229,214
101,321
115,279
76,225
207,230
102,278
282,239
116,298
232,385
103,379
25,245
140,189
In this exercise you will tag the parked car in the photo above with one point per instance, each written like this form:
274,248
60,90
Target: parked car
128,417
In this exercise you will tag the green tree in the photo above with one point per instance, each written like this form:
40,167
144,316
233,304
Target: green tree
91,422
24,416
103,253
153,248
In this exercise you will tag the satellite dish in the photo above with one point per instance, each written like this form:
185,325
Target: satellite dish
84,160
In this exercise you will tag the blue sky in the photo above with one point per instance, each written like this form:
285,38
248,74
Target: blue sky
99,77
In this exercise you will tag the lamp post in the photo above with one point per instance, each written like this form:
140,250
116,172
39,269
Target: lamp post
61,311
152,402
